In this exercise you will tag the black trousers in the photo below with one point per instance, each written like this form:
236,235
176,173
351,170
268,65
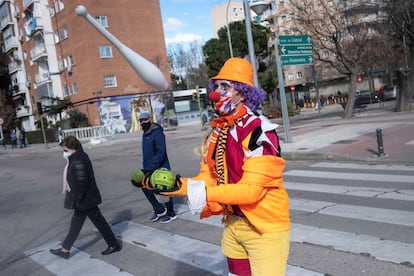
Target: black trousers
78,219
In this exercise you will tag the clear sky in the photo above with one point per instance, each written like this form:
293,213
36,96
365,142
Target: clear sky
187,20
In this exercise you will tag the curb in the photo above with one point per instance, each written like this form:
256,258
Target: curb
323,156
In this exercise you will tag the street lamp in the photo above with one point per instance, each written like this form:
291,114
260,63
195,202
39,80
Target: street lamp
228,29
250,45
259,7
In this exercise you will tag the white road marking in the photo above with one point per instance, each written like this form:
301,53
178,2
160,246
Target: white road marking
354,166
386,250
79,263
374,192
193,252
352,176
381,215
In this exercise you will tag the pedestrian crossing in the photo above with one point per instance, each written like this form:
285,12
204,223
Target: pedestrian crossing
356,183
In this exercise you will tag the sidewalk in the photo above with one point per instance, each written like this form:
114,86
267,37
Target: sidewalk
330,137
323,135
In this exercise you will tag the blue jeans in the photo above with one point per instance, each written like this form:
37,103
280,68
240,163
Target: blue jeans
158,207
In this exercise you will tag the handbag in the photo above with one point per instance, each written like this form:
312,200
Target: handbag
69,203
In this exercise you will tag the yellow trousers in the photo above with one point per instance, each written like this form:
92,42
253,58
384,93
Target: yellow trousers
267,253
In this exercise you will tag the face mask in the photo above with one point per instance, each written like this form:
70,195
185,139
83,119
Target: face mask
66,155
145,126
226,106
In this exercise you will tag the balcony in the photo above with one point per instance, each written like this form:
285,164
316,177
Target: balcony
11,43
22,111
5,21
38,52
42,78
20,88
14,66
27,3
4,1
46,102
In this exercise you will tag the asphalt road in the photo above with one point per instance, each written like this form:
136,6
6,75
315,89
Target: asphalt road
341,214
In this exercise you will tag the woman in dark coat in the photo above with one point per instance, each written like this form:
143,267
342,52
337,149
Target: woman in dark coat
79,182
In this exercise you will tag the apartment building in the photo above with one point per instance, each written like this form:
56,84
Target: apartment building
225,13
300,79
55,54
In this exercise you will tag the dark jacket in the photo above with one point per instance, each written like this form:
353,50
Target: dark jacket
82,182
154,149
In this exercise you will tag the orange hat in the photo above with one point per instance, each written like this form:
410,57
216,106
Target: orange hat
236,69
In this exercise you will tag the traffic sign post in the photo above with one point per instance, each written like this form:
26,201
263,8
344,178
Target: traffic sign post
296,50
1,130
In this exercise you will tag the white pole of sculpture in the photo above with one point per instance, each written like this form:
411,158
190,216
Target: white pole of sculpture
150,73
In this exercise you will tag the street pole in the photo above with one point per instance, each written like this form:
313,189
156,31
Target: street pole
199,107
1,131
259,7
283,103
42,125
315,80
228,29
250,45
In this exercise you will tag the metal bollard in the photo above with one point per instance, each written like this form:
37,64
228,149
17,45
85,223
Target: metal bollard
380,143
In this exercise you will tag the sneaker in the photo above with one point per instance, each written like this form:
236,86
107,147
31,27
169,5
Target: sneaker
167,219
156,216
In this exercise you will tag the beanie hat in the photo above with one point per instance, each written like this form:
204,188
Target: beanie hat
236,69
144,116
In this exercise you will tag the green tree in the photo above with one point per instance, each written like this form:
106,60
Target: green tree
217,51
77,119
58,107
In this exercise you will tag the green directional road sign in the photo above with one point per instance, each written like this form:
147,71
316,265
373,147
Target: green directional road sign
296,50
376,73
297,60
295,40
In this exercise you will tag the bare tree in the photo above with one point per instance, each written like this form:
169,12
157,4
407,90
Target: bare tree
345,38
187,64
401,16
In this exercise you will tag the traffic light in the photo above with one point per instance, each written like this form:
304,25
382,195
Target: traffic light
39,108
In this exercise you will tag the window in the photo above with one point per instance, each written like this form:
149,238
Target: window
182,106
74,88
56,7
61,4
290,76
102,20
51,11
110,81
299,75
65,91
65,32
105,51
61,34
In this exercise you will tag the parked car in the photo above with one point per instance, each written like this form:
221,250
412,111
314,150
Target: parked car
365,97
390,92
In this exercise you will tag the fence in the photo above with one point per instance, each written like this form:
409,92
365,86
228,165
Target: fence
96,134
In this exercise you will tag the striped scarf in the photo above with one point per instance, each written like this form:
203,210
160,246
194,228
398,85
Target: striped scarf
217,146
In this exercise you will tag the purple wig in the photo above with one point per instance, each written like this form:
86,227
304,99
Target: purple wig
253,96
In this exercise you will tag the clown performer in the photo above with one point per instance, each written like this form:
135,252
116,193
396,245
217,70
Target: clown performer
241,177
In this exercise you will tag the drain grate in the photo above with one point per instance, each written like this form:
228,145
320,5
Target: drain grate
350,141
